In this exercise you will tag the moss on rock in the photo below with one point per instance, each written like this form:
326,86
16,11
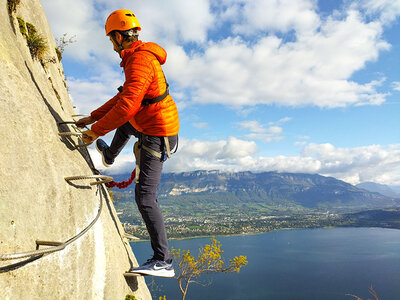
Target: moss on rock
22,26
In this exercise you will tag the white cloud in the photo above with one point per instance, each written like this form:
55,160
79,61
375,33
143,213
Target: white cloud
374,163
259,132
176,20
80,19
265,137
369,163
197,154
300,144
396,85
280,15
303,137
253,126
87,95
281,121
314,70
200,125
235,148
124,163
388,10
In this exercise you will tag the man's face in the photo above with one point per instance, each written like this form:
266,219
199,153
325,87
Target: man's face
114,45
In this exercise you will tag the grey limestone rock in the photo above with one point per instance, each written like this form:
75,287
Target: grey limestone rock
36,203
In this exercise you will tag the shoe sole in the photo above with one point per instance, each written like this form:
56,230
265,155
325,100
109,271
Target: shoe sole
158,273
102,157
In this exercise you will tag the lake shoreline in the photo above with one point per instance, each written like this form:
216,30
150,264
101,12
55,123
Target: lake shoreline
256,233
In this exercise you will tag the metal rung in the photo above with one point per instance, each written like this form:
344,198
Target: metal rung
130,236
66,122
48,243
128,274
74,134
70,133
82,145
103,178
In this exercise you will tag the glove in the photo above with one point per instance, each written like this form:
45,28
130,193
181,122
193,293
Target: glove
84,121
89,136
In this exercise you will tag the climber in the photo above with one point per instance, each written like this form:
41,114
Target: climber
142,108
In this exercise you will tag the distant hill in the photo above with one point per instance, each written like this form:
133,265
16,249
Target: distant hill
272,189
379,188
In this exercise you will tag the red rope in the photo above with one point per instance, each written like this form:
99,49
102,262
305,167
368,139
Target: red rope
123,184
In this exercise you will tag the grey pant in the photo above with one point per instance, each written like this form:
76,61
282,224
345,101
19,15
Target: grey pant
146,190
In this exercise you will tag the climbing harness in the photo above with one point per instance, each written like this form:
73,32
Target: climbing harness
147,101
163,156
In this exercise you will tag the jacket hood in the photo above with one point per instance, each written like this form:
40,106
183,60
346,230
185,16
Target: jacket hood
155,49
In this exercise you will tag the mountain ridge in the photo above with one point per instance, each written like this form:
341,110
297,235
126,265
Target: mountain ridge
379,188
312,191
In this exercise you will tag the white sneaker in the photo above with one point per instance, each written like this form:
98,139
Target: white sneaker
154,267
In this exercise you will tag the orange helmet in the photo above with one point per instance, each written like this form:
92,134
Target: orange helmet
121,19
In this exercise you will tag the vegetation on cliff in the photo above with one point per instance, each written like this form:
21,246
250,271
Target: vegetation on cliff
209,260
12,6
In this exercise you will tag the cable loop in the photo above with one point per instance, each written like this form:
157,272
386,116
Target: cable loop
103,178
60,247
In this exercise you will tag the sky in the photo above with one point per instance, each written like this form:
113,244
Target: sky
300,86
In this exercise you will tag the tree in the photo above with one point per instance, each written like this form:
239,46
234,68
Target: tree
209,260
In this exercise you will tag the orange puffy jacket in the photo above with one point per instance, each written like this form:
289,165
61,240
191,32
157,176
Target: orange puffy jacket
144,79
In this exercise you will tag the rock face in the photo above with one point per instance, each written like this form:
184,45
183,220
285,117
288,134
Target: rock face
36,203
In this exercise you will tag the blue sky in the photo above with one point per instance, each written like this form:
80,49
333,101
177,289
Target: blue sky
286,85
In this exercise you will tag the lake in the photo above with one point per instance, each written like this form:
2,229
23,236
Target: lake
295,264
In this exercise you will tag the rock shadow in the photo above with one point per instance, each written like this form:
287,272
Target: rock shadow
18,265
132,282
61,124
12,23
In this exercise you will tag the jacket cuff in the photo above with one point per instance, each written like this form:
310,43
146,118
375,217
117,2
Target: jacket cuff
94,116
96,131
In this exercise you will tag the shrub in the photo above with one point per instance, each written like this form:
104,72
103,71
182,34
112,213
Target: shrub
37,45
31,28
12,6
59,54
22,27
